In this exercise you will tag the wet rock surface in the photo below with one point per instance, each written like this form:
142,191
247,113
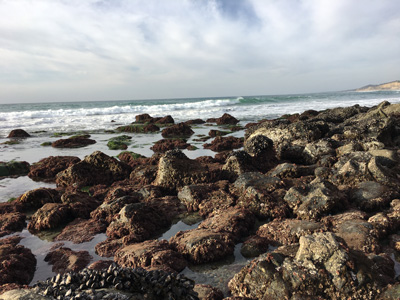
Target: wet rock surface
14,168
73,142
65,260
18,133
47,168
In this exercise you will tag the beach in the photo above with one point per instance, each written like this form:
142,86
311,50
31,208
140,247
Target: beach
233,197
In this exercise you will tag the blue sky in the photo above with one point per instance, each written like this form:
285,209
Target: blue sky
77,50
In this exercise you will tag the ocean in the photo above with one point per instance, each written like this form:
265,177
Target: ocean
97,116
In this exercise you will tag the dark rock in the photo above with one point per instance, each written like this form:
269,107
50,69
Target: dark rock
143,118
236,221
371,195
177,130
175,169
322,268
238,162
35,199
207,292
214,133
50,216
119,142
195,122
313,200
152,254
221,143
80,204
137,222
165,120
206,198
73,142
66,260
226,119
101,265
203,245
254,246
164,145
17,263
18,133
258,145
287,170
81,231
287,231
13,168
97,168
108,247
11,222
392,292
261,194
48,168
151,128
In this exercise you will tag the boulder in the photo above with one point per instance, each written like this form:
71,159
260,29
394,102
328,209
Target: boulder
81,231
287,231
106,211
313,200
372,195
48,167
151,254
50,216
203,245
137,222
262,195
321,267
175,169
207,197
11,222
97,168
17,263
254,246
164,145
14,168
177,130
207,292
66,260
236,221
226,119
143,118
73,142
35,199
80,204
18,133
238,162
221,143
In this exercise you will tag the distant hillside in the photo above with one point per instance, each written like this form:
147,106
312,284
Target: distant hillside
389,86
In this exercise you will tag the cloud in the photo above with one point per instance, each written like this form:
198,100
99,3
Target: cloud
187,48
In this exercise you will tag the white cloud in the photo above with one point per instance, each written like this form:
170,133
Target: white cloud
177,48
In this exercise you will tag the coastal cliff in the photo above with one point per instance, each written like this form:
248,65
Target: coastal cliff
388,86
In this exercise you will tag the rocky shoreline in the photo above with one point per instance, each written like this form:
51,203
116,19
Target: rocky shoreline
320,188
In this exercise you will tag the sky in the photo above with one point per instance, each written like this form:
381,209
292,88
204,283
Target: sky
89,50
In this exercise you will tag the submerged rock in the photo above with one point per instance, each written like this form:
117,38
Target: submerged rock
13,168
66,260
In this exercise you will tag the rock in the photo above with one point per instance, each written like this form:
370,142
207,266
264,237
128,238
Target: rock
73,142
371,195
108,247
214,133
81,231
101,265
206,198
258,145
392,292
143,118
165,120
175,169
151,128
322,267
80,204
22,294
195,122
288,170
203,245
177,130
313,152
260,194
48,168
66,260
11,222
164,145
254,246
238,162
97,168
50,216
311,201
151,254
221,143
352,168
14,168
227,119
287,231
35,199
18,133
355,231
137,222
236,221
119,142
132,159
207,292
17,263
